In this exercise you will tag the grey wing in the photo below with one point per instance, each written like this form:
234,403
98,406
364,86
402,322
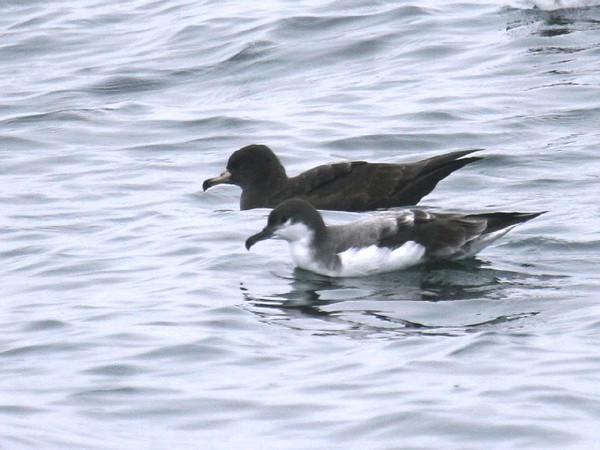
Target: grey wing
368,231
442,235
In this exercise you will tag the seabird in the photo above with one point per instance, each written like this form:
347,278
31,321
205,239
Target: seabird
345,186
391,240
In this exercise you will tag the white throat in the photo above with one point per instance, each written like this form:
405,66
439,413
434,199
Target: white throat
300,237
293,232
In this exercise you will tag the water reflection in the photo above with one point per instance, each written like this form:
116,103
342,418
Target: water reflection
443,298
556,22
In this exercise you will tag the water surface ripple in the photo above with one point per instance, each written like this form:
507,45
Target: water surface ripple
132,315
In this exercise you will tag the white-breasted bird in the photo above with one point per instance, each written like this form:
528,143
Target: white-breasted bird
384,242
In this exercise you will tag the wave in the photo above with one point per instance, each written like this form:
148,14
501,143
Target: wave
551,5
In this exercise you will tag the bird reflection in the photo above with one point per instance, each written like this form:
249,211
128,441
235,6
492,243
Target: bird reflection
550,23
376,302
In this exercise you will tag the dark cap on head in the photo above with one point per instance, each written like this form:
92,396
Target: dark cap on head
294,210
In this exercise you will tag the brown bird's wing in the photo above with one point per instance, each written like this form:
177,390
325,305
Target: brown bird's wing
362,186
410,190
325,186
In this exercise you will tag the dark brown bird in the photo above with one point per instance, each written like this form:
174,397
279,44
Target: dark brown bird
345,186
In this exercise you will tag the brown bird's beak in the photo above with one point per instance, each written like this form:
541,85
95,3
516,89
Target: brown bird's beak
223,178
266,233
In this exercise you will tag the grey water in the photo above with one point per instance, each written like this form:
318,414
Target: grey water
133,317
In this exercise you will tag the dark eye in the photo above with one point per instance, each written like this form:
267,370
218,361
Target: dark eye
283,219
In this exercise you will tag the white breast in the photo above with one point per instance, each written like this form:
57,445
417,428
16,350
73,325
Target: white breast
355,262
302,255
358,262
373,259
300,240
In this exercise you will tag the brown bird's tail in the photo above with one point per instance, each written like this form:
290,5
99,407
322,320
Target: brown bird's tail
432,172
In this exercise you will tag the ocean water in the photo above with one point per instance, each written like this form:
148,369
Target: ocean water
133,317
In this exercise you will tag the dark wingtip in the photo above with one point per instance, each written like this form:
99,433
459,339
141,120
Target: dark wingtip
500,220
206,185
432,173
457,154
462,153
469,160
529,216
